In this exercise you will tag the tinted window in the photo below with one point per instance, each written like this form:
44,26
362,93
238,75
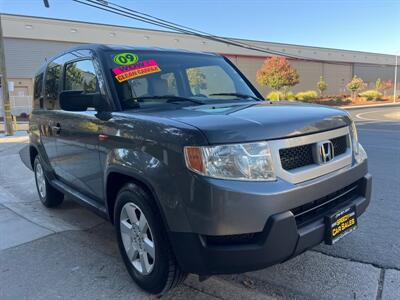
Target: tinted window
144,86
80,76
38,91
154,74
209,80
52,85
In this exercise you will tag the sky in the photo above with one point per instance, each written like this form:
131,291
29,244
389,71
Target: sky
363,25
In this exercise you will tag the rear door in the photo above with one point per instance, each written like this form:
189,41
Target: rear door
77,154
44,114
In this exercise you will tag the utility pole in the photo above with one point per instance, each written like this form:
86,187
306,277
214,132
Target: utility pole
395,80
6,97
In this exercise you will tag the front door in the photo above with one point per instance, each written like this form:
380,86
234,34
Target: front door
77,162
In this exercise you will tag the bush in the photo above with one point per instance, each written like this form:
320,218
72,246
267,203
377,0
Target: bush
371,94
290,96
321,85
275,96
307,96
354,86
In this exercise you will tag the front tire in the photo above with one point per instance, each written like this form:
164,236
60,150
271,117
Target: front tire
49,196
143,242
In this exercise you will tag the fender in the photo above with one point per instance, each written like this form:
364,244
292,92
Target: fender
25,154
155,175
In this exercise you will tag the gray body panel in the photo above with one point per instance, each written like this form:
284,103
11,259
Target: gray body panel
150,148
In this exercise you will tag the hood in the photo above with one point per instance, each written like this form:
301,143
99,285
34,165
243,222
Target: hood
246,122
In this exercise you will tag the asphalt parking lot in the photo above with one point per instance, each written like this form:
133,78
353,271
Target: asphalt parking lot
70,253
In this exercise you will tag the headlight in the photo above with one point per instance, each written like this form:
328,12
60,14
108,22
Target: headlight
358,150
250,161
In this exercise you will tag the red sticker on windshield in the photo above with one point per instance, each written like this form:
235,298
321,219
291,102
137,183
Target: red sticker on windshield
141,68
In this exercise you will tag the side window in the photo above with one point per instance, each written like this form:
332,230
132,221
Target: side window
38,91
52,85
208,80
80,76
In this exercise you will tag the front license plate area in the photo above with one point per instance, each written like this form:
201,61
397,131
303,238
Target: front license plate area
340,224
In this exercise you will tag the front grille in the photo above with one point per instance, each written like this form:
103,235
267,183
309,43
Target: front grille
296,157
339,145
311,211
301,156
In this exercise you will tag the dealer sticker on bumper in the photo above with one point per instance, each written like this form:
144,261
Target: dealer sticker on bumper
340,224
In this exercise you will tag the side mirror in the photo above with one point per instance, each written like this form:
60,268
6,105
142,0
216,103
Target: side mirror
80,101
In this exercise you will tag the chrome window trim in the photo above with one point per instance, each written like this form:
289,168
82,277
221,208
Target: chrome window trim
311,171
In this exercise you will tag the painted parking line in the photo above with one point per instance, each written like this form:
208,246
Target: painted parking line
378,130
395,115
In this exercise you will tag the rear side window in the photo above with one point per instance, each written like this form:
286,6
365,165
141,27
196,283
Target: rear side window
80,76
38,91
52,85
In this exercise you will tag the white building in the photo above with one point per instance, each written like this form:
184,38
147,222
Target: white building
29,41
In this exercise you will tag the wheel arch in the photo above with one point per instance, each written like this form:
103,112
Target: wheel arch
116,178
33,152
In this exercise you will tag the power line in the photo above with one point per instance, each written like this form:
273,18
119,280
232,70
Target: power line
192,30
146,18
149,19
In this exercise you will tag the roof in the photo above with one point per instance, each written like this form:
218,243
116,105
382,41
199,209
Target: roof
104,47
96,47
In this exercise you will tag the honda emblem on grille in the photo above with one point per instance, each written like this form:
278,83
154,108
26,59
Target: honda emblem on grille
324,152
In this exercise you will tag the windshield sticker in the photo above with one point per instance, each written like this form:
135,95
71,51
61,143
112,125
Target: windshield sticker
125,58
141,68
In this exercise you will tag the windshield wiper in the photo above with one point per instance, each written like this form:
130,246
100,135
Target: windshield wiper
242,96
169,98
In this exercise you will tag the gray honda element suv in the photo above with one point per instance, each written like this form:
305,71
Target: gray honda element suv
195,170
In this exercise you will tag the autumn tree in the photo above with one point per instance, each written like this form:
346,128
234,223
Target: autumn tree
354,86
277,74
321,85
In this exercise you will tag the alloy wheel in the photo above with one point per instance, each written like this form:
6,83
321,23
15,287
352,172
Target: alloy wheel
40,180
137,238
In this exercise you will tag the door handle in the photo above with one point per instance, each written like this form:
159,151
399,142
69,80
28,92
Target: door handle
56,129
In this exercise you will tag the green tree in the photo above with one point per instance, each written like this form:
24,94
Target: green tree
354,86
277,74
75,77
378,84
321,86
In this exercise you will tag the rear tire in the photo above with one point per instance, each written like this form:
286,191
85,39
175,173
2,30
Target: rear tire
142,241
49,196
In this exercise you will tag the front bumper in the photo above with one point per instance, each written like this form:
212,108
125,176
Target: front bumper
285,234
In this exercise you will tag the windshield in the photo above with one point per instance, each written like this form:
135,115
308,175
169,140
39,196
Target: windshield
153,77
